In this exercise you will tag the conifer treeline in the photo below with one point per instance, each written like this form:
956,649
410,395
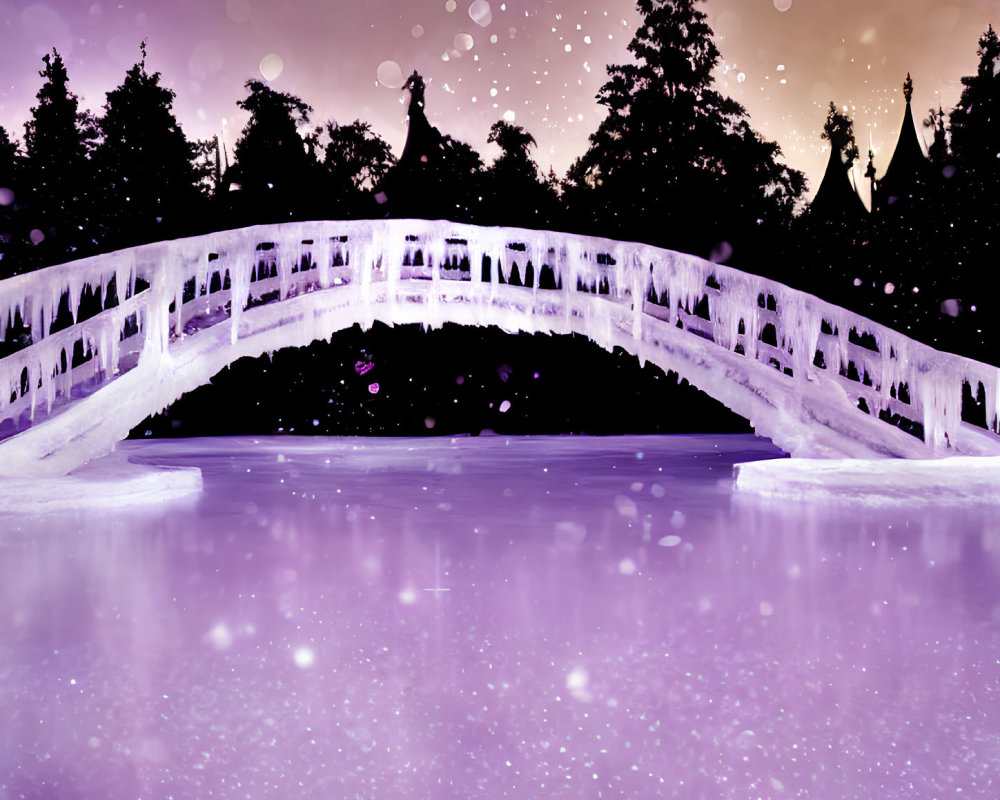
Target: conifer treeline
674,163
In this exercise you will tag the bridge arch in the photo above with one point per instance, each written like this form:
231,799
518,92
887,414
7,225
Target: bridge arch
816,379
404,381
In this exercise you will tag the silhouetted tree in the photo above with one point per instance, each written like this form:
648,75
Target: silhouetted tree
675,161
456,180
356,160
273,170
144,164
58,175
515,193
973,196
939,152
975,122
515,145
838,130
207,166
8,156
8,197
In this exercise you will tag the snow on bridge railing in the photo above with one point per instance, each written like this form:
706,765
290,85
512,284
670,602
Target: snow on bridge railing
67,330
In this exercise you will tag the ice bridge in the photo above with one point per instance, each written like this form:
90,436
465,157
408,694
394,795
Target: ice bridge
91,347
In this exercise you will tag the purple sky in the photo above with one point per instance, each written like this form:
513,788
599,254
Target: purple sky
544,59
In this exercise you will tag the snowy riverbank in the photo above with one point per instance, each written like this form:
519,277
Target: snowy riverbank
883,482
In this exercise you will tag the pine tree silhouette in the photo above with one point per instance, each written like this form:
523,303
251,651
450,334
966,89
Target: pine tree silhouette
273,176
9,190
147,180
515,193
973,199
58,141
675,161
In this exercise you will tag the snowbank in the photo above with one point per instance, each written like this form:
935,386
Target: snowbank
111,482
953,481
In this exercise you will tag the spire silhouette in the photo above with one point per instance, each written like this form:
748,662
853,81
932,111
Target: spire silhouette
907,171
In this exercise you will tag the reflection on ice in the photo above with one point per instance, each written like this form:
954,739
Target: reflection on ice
478,617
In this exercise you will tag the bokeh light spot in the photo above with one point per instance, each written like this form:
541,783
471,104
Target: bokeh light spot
481,13
577,679
304,657
408,596
782,5
271,66
390,74
463,41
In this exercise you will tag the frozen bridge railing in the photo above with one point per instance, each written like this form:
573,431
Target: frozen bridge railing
90,348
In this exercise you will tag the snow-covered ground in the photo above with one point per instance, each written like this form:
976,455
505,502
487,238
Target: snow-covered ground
496,617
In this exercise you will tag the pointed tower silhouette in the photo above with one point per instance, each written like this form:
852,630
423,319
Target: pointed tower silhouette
423,140
907,175
836,196
436,175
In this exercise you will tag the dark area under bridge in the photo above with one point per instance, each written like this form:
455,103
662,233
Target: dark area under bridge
405,381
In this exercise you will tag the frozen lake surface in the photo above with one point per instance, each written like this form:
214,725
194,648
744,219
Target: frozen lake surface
548,617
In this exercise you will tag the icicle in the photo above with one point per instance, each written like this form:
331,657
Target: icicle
477,252
123,281
321,254
73,291
32,388
992,386
36,313
392,262
48,386
534,255
284,261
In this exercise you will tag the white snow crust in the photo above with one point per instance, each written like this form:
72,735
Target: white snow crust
215,298
109,483
954,481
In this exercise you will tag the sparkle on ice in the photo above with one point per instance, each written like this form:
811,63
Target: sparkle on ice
436,618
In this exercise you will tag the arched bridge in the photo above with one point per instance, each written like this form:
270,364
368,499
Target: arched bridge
94,346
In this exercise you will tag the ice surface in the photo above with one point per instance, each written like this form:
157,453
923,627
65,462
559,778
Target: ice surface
751,343
435,618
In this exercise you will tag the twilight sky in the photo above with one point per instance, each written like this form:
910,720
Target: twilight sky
539,62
